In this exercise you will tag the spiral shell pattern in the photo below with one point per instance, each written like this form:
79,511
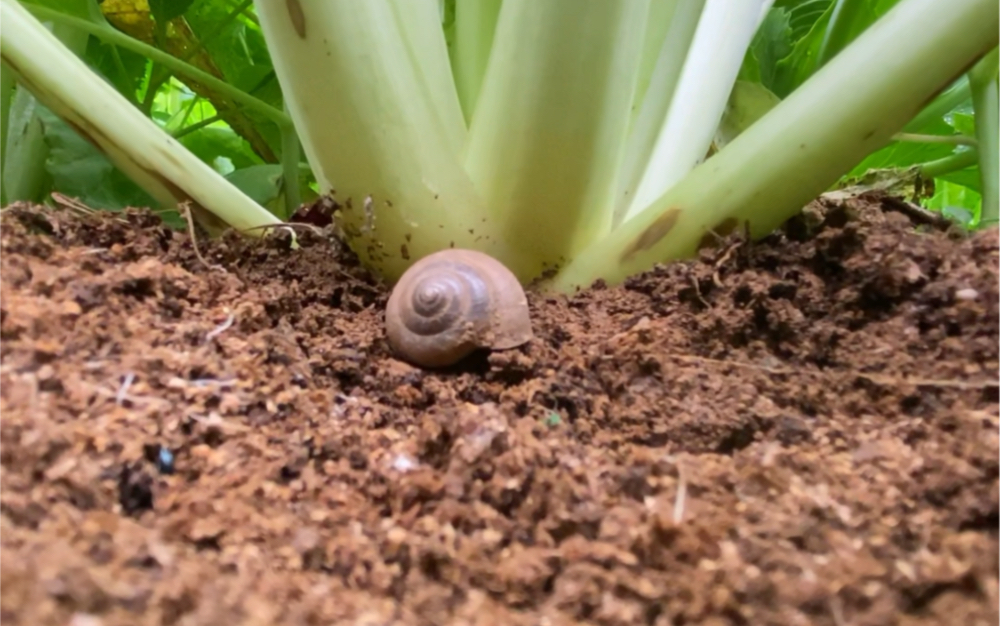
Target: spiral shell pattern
450,303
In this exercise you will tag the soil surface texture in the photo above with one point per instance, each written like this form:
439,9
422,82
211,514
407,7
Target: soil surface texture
798,431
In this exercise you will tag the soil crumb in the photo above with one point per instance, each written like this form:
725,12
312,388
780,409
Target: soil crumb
798,431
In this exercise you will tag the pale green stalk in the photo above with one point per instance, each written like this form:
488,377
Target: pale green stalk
136,145
804,144
655,102
955,140
377,128
420,24
951,163
983,80
725,30
548,132
658,24
475,23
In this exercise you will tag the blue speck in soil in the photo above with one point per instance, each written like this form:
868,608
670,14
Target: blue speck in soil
165,461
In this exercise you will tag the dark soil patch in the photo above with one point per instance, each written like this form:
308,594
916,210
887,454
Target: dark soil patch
802,431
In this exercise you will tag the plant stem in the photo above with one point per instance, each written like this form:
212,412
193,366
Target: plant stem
187,130
951,163
475,21
958,140
386,140
7,84
803,145
549,129
112,36
711,65
650,113
983,80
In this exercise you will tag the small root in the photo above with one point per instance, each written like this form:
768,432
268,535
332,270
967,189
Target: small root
726,255
186,207
122,393
221,328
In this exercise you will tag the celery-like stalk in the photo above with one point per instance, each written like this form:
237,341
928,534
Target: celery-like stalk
138,147
655,103
806,142
658,24
713,61
420,24
952,163
983,80
548,131
475,22
378,129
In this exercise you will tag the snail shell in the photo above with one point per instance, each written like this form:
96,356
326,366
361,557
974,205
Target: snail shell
452,302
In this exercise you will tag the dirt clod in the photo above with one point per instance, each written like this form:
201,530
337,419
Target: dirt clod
803,430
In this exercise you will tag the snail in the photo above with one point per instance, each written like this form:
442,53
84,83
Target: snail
449,303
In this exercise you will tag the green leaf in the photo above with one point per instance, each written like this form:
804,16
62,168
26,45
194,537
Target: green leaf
772,43
747,103
79,170
804,14
967,178
964,123
166,10
903,154
264,184
794,69
237,48
955,201
213,142
128,77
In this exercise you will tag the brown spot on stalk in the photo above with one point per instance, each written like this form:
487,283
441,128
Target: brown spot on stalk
869,135
653,234
297,17
404,252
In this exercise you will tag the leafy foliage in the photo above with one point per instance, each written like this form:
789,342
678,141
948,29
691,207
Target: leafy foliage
786,52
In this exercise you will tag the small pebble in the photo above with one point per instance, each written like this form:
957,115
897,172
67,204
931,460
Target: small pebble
165,461
404,463
85,619
966,294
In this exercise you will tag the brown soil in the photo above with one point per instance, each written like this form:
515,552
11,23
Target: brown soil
799,431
